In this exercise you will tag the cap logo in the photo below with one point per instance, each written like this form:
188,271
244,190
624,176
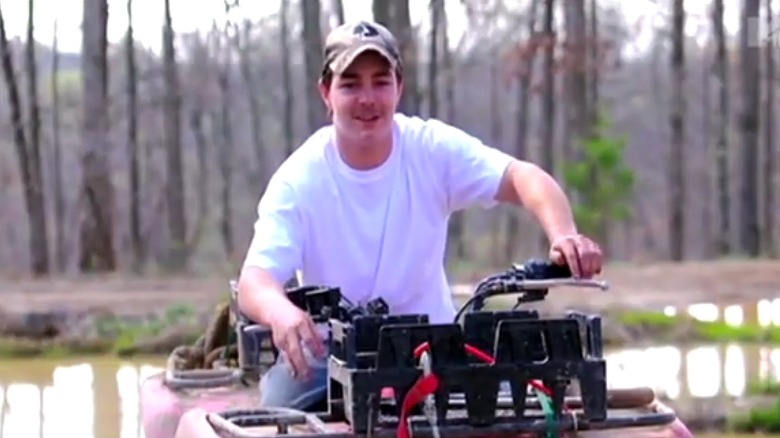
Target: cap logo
364,30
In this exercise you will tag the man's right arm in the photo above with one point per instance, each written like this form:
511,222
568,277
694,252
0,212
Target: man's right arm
274,253
258,293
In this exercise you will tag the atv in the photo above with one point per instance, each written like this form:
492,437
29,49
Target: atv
488,373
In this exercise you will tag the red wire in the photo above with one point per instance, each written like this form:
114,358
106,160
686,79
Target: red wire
485,357
428,385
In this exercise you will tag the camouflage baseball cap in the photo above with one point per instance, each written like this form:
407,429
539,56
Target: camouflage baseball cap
345,43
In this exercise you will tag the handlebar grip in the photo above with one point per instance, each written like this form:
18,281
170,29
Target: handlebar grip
537,269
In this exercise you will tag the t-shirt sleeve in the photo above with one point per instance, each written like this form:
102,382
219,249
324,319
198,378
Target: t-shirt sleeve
277,242
472,171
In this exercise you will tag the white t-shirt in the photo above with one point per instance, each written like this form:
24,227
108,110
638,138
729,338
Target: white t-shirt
380,232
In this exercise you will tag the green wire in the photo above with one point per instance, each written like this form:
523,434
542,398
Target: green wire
549,414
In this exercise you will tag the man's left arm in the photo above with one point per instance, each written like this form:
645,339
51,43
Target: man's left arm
477,174
528,185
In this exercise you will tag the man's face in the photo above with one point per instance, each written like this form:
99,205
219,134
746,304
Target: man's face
364,98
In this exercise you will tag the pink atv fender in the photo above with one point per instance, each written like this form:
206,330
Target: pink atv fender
163,404
202,423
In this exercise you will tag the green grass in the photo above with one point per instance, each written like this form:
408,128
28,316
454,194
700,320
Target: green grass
758,420
687,328
114,337
764,388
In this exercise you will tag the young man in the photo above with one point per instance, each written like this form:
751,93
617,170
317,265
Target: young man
364,204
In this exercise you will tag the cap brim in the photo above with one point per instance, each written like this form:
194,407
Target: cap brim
341,63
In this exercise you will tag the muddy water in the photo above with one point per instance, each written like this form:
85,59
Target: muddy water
98,397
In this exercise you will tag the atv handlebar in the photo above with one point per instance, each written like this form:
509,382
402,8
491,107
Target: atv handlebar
573,282
530,281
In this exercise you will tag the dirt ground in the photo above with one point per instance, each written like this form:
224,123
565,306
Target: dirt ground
647,286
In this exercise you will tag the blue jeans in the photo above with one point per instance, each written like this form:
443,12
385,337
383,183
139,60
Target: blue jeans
279,389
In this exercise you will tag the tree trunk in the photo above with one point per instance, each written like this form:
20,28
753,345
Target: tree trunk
525,79
312,47
174,188
456,230
39,226
288,110
596,59
724,123
338,8
381,10
96,232
770,153
411,98
575,73
29,162
136,238
548,98
704,172
437,9
750,62
60,255
548,90
256,119
225,160
496,137
677,124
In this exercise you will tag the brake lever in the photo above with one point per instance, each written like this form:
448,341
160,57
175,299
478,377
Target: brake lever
530,285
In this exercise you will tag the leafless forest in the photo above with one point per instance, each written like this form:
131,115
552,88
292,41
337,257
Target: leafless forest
119,158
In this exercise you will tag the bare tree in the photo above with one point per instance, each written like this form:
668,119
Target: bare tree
411,100
770,152
434,47
338,10
596,58
243,44
724,122
57,180
576,76
96,228
288,105
174,188
677,146
312,48
457,226
28,153
225,155
750,70
381,9
236,137
548,90
526,59
136,237
548,95
39,228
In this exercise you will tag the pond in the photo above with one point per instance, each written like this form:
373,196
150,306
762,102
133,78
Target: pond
98,397
91,397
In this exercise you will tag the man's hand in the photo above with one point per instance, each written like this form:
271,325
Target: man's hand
582,255
291,328
527,184
263,300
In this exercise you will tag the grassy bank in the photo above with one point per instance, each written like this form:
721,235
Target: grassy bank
684,329
114,335
180,325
